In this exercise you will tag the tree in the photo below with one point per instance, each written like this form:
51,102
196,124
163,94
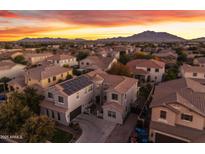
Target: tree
172,73
20,60
119,69
141,55
124,59
38,129
145,90
13,114
81,55
32,99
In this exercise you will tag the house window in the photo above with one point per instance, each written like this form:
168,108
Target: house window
49,80
186,117
57,61
111,114
148,69
194,74
59,116
50,95
87,63
61,75
156,70
53,116
54,78
163,114
114,97
82,63
60,99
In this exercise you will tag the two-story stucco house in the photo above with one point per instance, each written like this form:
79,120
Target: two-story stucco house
199,61
178,112
96,62
114,93
35,58
63,59
195,72
64,101
147,70
46,75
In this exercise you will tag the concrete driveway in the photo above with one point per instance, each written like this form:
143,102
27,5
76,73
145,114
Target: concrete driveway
95,130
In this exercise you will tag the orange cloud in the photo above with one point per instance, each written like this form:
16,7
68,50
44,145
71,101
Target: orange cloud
17,21
116,18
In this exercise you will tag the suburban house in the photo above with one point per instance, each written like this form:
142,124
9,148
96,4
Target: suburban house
167,56
47,75
108,52
17,84
10,69
96,62
178,112
35,58
199,61
147,70
195,72
63,59
114,93
64,101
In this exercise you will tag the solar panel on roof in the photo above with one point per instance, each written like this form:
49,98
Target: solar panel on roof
74,85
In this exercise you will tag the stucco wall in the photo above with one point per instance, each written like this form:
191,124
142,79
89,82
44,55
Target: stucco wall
170,119
119,116
154,74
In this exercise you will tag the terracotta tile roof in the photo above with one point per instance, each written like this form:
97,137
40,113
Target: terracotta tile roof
30,55
6,64
99,62
125,85
20,80
185,91
196,69
114,105
166,54
145,63
50,105
194,135
201,59
118,83
46,71
60,57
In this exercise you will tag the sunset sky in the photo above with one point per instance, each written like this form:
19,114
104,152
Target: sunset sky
15,25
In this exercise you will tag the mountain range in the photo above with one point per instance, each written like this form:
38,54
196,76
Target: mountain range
146,36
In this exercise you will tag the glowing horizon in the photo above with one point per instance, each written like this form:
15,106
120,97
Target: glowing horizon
91,25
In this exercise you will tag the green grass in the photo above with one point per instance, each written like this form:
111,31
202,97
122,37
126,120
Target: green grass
61,136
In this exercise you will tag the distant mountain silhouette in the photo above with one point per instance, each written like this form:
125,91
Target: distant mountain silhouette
148,36
200,39
47,39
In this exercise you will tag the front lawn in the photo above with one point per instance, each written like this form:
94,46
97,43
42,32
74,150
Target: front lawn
61,136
